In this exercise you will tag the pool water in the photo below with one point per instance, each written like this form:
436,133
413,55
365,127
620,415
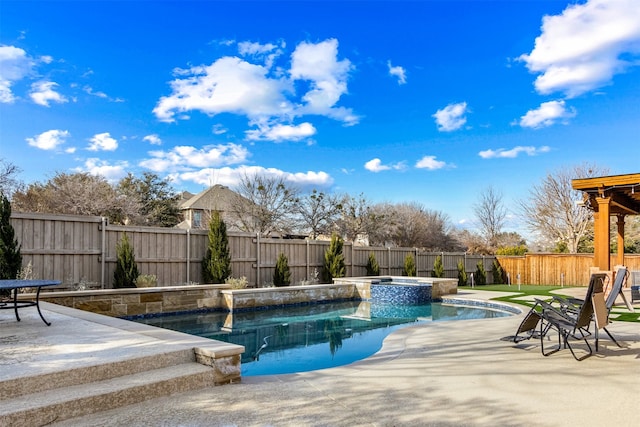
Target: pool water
310,337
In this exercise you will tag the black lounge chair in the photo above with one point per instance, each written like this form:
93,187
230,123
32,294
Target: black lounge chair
528,328
575,324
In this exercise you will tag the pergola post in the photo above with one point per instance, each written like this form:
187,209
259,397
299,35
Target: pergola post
601,234
620,239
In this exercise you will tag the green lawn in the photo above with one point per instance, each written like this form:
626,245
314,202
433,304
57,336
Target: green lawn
619,312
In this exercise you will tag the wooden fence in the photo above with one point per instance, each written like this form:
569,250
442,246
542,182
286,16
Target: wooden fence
75,249
558,269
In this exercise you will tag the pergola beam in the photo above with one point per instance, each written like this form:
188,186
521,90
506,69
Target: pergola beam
607,196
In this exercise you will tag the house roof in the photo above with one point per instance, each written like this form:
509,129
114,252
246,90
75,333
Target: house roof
218,198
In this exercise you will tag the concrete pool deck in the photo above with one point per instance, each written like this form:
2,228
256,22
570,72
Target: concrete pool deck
440,374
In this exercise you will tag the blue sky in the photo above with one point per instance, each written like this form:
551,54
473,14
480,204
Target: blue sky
419,101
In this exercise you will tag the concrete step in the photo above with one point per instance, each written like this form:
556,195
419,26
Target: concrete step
70,401
20,386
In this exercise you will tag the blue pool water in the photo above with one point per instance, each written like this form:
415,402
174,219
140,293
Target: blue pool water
310,337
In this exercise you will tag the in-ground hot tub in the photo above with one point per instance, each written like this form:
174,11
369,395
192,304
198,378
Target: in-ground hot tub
402,289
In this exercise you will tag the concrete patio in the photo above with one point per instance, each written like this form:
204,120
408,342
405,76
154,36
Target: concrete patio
440,374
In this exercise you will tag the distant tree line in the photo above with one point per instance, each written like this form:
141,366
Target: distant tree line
148,200
268,205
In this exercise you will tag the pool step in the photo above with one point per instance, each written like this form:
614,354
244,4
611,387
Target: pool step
74,376
69,401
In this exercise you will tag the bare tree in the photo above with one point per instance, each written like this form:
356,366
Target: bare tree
8,180
473,242
76,194
319,212
412,225
553,209
264,204
358,219
491,214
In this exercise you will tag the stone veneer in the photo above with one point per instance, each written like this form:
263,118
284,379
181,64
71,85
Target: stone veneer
439,286
142,301
139,301
250,299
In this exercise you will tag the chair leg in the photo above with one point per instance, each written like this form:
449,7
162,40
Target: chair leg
566,342
543,332
612,338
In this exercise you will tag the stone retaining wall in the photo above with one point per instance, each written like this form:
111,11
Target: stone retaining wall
137,301
140,301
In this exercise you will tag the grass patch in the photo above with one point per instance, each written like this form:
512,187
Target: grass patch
619,312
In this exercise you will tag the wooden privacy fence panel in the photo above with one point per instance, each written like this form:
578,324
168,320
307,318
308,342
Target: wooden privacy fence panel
162,252
59,247
557,269
76,249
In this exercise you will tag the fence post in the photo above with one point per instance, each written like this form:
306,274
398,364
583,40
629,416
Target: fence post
258,260
188,255
308,267
389,261
103,251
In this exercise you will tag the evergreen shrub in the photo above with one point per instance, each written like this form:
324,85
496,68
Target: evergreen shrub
409,268
373,269
126,271
282,275
216,264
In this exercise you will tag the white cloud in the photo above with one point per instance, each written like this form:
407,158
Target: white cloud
318,63
231,176
452,117
47,59
398,72
90,91
268,51
585,46
547,114
187,158
263,93
153,139
252,48
98,167
280,132
102,142
43,92
49,140
514,152
218,129
430,162
14,66
375,165
228,85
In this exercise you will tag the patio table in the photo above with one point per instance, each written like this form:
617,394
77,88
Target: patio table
15,304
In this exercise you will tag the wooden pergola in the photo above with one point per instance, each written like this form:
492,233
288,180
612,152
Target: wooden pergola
607,196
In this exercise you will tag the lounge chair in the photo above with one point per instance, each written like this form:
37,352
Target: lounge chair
568,326
528,328
575,325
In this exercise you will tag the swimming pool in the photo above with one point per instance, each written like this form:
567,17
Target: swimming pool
316,336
